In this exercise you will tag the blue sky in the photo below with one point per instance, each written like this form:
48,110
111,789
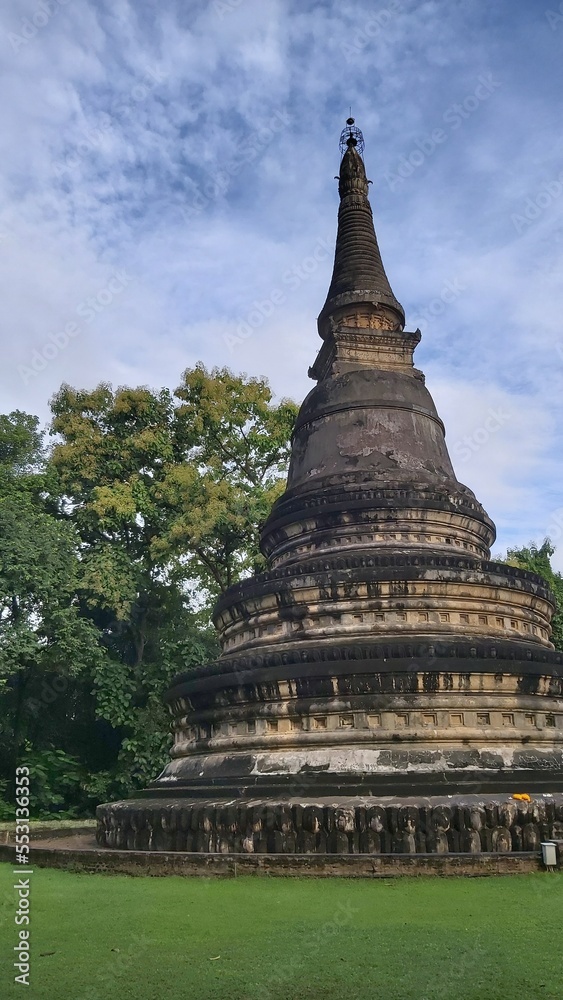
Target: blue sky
167,197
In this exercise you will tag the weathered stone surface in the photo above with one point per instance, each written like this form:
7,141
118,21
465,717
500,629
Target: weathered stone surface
351,827
283,865
358,277
382,654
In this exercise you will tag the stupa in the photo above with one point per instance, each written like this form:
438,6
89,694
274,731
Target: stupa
384,687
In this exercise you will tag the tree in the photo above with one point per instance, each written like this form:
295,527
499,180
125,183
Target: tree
45,644
236,449
167,498
538,560
180,489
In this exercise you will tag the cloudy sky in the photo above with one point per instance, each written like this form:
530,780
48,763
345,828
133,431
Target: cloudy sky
167,197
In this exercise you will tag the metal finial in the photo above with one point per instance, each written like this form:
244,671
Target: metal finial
351,136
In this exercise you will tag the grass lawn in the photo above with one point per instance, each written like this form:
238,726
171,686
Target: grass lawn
177,938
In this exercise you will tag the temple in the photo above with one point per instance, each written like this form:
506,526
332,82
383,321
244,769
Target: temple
384,687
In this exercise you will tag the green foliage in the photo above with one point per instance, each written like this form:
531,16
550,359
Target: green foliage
113,549
44,640
61,786
238,445
182,489
7,808
21,442
537,559
55,779
167,496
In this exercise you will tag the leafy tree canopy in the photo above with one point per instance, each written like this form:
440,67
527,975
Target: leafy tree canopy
537,559
113,548
167,495
168,489
44,640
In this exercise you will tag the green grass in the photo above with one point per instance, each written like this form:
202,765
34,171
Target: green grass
176,938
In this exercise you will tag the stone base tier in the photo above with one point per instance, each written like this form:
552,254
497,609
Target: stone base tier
384,516
405,594
371,826
387,747
287,713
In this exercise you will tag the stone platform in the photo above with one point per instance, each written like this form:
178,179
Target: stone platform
388,826
79,853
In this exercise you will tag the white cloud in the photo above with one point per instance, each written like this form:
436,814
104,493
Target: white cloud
118,118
